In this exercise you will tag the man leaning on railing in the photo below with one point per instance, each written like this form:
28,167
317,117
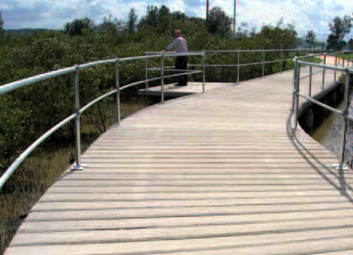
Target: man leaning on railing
181,62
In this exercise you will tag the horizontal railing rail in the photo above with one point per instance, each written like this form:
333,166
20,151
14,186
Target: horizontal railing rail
297,93
78,109
238,64
117,61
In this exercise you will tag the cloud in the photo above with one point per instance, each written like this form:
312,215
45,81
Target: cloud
305,15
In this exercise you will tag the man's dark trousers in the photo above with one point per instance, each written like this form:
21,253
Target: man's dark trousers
182,63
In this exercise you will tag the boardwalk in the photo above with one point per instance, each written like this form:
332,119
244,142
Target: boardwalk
171,90
215,173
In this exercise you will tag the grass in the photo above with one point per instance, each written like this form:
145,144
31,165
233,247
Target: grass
317,60
348,56
39,171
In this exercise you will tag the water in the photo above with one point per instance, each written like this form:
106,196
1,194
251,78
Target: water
330,135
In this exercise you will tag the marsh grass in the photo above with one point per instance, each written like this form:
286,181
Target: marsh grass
39,171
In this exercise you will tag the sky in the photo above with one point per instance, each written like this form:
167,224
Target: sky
304,14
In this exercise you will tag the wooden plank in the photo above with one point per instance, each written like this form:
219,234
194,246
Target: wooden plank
269,244
170,90
193,232
141,195
140,223
95,205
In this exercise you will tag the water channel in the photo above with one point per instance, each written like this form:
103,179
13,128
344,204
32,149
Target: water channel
330,134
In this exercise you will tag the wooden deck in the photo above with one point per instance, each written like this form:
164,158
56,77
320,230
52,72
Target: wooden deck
216,173
170,90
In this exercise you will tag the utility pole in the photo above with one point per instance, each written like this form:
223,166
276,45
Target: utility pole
207,6
235,14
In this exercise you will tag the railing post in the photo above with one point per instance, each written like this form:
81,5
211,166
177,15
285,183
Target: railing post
263,63
335,74
162,78
238,72
281,60
349,56
78,165
345,127
324,73
311,75
297,89
117,95
146,66
294,84
343,58
204,71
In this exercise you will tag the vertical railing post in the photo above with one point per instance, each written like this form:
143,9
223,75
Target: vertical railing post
335,74
342,58
345,127
263,63
162,78
203,71
349,56
238,72
117,94
324,73
146,67
281,60
297,89
294,83
311,75
78,165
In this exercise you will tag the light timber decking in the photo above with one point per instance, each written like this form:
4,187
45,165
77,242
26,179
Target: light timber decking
170,90
216,173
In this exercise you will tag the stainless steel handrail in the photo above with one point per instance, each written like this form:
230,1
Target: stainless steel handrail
296,93
306,76
236,50
41,77
238,65
79,110
31,148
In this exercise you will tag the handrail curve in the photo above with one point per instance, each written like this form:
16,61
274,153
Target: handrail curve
149,55
296,92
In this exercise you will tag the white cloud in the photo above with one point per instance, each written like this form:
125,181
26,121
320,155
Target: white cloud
304,14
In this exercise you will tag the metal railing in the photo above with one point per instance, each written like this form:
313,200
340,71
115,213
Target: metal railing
117,61
79,110
237,64
297,92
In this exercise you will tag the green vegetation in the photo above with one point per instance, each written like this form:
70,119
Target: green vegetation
347,56
339,28
350,44
30,111
310,38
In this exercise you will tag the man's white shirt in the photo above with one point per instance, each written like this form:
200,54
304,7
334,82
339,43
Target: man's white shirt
180,44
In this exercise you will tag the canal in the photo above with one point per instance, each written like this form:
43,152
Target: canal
330,134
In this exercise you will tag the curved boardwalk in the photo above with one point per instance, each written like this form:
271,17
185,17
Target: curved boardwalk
216,173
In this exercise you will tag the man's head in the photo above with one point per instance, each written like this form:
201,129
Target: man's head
177,33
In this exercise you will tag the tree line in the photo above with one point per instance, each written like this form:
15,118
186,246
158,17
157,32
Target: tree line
339,28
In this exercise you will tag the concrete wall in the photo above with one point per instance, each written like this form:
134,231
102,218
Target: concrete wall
312,115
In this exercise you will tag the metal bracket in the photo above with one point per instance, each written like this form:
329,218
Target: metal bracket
78,168
337,167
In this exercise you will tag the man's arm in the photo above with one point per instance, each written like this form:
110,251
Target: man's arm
173,44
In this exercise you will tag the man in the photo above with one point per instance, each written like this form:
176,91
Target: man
181,62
